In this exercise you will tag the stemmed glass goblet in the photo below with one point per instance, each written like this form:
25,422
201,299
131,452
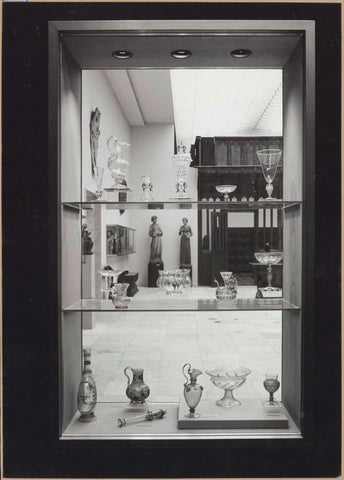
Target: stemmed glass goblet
271,385
269,160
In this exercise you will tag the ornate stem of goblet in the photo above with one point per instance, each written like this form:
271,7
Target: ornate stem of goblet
269,276
226,197
271,399
269,188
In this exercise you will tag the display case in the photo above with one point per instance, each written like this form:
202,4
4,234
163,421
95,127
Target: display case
162,333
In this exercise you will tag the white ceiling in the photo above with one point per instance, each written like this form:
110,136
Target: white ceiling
214,102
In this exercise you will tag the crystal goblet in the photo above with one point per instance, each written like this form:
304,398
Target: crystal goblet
271,385
269,160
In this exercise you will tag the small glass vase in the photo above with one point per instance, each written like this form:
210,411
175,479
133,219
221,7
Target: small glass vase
119,295
147,189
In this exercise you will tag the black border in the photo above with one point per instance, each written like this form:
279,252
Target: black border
30,331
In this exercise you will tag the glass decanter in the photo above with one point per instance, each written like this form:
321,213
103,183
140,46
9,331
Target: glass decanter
192,390
118,166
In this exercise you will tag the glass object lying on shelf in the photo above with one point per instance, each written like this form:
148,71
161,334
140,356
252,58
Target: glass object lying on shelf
120,240
181,161
269,259
269,160
118,166
226,190
145,417
174,281
228,379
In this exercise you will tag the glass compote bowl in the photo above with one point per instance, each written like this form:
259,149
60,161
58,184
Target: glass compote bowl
269,160
226,190
228,379
269,259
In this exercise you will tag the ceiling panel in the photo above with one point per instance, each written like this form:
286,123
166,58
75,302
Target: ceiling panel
268,50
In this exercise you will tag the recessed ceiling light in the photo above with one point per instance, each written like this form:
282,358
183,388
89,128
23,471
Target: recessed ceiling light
181,54
241,53
122,54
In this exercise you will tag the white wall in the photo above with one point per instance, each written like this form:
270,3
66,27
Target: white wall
97,92
151,154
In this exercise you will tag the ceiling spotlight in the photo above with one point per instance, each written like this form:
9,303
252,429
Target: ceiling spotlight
241,53
122,54
181,54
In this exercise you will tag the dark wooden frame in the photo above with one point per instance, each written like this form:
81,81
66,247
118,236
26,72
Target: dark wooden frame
43,455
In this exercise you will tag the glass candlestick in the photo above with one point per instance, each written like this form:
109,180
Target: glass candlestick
269,160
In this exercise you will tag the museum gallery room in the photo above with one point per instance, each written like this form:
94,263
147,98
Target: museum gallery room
181,235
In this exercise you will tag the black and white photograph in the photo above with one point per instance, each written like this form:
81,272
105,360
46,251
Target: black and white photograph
176,169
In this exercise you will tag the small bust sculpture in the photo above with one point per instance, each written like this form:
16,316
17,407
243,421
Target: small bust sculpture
87,243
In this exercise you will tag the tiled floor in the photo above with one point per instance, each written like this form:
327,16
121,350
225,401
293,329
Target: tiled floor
162,342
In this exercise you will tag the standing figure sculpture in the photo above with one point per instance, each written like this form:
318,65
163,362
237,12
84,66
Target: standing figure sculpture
156,233
185,251
94,136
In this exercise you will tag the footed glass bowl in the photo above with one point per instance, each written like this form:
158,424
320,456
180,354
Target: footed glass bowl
268,259
228,379
226,189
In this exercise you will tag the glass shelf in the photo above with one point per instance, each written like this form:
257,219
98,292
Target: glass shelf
176,303
106,426
188,204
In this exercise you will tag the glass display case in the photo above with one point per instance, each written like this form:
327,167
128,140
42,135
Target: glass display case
241,336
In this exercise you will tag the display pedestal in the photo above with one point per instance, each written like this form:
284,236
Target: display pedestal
251,414
261,293
153,273
88,287
188,267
